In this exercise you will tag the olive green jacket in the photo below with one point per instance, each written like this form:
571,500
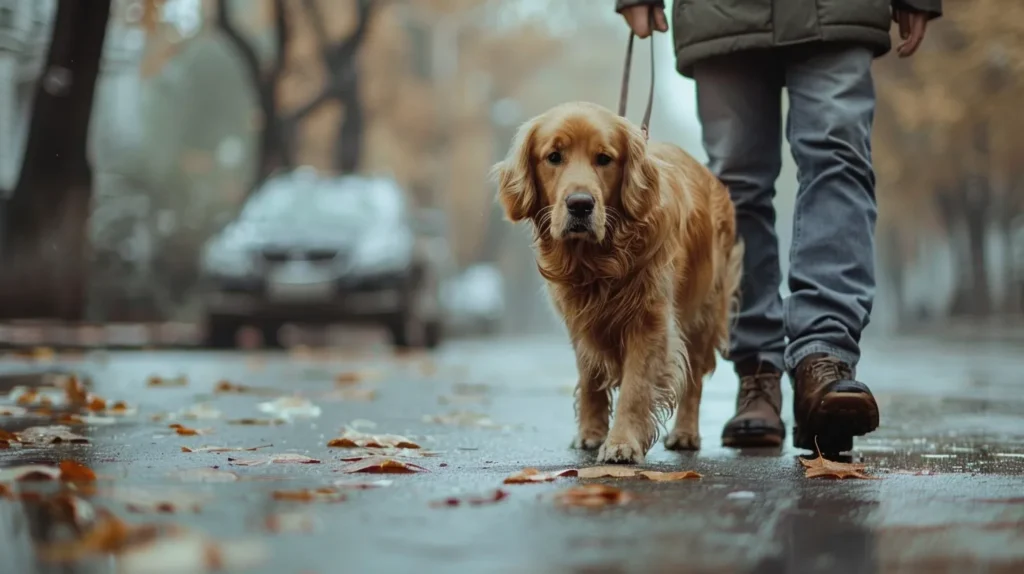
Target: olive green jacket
706,28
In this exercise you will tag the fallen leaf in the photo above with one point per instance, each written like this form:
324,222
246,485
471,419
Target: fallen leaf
96,404
465,419
530,475
363,454
29,472
491,498
75,392
607,471
282,458
206,475
256,422
8,436
355,377
360,395
290,522
70,419
592,495
229,387
382,465
55,434
290,407
223,448
323,494
28,398
4,444
157,381
823,468
74,471
659,476
354,439
186,431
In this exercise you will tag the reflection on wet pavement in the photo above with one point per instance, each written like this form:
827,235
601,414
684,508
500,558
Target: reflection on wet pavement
949,455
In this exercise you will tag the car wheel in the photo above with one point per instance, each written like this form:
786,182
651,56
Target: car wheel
221,331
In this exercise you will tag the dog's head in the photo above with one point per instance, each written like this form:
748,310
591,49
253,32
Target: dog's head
578,171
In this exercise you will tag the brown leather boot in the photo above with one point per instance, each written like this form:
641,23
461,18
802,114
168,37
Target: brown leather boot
830,406
758,420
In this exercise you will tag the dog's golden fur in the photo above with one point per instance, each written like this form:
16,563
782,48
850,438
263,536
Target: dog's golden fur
645,285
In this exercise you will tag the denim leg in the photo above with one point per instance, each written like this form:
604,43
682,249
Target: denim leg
739,101
832,267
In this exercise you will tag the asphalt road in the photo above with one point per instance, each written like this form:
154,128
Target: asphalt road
949,458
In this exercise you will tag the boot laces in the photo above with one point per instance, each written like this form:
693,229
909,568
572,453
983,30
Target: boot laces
829,369
756,387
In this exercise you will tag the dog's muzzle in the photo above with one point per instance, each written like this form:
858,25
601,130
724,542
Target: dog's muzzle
580,206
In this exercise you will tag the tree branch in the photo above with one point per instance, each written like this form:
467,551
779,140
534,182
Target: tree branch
316,20
245,49
347,48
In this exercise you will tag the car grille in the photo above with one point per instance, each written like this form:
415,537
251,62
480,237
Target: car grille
282,255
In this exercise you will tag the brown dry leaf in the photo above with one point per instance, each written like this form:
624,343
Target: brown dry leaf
186,431
363,454
69,419
224,448
491,498
28,398
531,475
55,434
607,471
8,436
75,392
283,458
382,465
659,476
357,395
821,467
224,386
323,494
592,495
96,404
256,422
4,444
350,377
108,535
355,439
206,475
157,381
74,471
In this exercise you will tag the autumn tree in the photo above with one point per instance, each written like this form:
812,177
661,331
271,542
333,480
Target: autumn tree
45,256
949,138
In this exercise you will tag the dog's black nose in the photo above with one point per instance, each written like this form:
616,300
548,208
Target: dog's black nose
580,204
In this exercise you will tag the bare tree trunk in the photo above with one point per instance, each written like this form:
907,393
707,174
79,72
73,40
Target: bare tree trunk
275,147
45,256
348,151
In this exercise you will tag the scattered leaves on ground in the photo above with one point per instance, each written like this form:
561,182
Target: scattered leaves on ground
356,395
323,494
355,439
74,471
356,377
659,476
12,411
256,422
530,475
206,475
223,448
364,453
158,381
54,434
6,438
290,407
225,386
592,495
382,465
282,458
490,498
821,467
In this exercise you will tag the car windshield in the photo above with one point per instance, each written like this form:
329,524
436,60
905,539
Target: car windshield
294,201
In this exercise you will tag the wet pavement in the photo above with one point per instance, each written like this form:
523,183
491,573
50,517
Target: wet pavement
949,458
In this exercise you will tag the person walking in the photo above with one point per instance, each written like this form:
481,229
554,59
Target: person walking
741,55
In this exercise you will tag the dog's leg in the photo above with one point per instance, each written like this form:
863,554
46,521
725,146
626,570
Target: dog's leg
593,401
685,434
646,395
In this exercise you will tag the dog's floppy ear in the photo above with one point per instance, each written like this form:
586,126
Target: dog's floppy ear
640,191
516,189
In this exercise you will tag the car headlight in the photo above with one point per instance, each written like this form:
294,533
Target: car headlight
227,261
383,252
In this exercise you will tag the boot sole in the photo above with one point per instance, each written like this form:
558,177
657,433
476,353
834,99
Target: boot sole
753,438
839,417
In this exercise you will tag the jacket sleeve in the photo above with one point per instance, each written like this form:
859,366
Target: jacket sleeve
931,7
621,5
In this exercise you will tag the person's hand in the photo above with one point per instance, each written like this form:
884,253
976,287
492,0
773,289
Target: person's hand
912,27
639,19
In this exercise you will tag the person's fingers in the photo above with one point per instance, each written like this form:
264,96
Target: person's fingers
918,26
660,20
903,19
639,20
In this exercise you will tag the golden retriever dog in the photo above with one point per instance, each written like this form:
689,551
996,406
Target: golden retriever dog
637,244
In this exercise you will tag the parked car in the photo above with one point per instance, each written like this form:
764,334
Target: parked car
475,300
307,249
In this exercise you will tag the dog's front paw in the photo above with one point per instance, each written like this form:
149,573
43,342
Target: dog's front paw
620,452
682,440
588,441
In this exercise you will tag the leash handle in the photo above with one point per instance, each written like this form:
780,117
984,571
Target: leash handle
645,124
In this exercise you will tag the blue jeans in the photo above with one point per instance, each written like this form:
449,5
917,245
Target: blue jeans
832,275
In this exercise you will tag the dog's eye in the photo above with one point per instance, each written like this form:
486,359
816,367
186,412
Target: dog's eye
603,159
555,157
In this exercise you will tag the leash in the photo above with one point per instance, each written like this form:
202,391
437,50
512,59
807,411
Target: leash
645,124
